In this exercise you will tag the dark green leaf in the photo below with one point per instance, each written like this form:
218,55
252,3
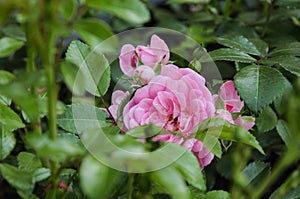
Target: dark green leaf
240,43
261,46
222,129
218,194
7,143
231,55
259,85
14,31
284,132
189,168
92,31
289,63
171,179
9,46
292,48
235,27
96,179
21,180
267,120
94,66
130,10
80,117
254,170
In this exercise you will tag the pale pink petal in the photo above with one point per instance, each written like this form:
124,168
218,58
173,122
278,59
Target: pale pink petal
160,48
128,60
231,98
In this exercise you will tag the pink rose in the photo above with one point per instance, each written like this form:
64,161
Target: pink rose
116,99
176,100
157,52
233,103
230,96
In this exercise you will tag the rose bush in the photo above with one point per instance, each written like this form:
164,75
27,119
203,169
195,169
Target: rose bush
176,99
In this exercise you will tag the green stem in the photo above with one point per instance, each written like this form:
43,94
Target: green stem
30,66
130,185
227,9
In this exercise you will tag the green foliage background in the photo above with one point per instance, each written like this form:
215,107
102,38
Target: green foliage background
44,42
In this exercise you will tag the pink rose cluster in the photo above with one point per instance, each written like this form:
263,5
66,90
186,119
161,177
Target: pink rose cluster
173,98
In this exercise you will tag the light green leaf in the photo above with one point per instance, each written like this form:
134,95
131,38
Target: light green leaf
217,194
266,120
5,78
289,63
189,168
80,117
94,66
130,10
292,48
146,131
41,174
172,181
222,129
240,43
254,170
70,72
9,119
28,161
17,92
284,132
61,149
21,180
228,54
7,143
259,85
14,31
96,179
92,31
9,46
212,143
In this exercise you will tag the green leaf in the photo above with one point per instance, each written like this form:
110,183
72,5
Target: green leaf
266,120
129,10
212,143
254,170
292,48
146,131
70,72
240,43
9,119
189,1
189,168
289,63
28,161
5,78
284,132
14,31
96,179
94,66
7,143
41,174
18,92
222,129
21,180
171,179
80,117
9,46
61,149
259,85
261,46
92,31
228,54
217,194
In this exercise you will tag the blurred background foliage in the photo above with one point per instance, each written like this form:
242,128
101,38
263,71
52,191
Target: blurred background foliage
254,42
